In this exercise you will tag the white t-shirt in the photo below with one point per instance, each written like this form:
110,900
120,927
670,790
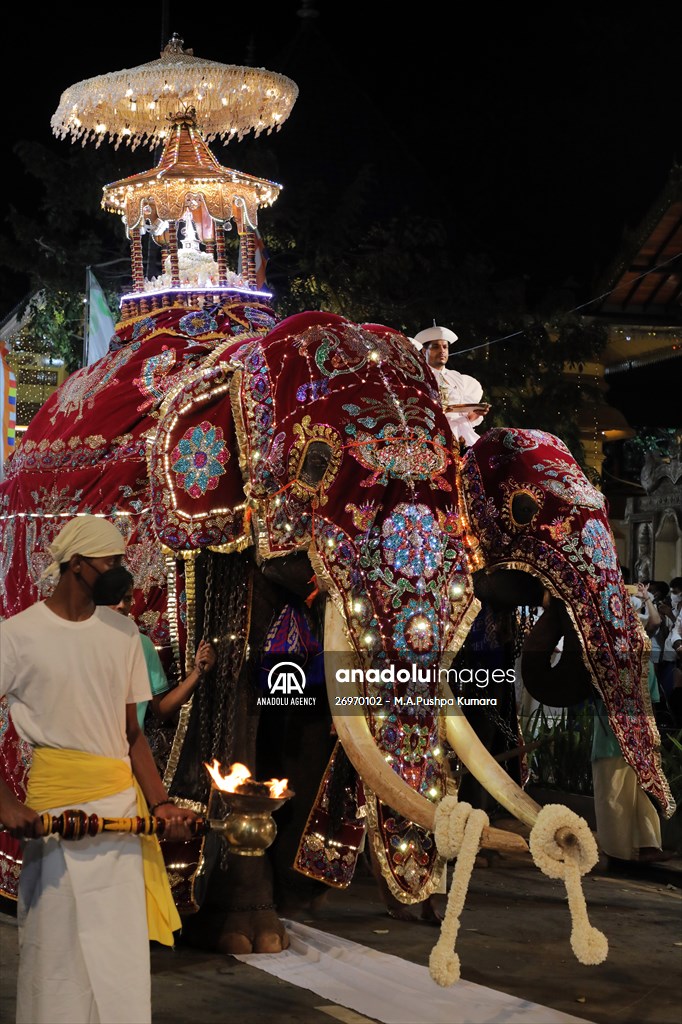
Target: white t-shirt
68,683
676,631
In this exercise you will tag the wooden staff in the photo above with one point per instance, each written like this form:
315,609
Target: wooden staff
75,824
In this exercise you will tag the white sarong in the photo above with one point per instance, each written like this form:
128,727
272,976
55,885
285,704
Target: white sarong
83,927
626,818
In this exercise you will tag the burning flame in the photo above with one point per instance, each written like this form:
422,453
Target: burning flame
278,787
238,774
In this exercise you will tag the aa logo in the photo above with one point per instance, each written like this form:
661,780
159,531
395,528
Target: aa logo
286,677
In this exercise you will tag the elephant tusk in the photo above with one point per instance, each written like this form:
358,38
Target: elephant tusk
485,768
359,744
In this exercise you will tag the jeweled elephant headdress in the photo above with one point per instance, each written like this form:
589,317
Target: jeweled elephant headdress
534,510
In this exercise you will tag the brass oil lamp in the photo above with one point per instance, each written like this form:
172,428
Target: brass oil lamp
246,823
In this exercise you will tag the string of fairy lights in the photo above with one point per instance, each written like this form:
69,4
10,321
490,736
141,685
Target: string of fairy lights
672,336
628,333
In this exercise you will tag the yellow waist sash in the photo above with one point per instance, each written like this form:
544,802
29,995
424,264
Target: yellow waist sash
61,778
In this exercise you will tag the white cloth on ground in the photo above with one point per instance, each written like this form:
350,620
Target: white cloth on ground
389,989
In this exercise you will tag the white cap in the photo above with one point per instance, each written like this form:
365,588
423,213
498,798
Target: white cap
435,334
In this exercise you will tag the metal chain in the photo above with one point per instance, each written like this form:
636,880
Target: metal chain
226,624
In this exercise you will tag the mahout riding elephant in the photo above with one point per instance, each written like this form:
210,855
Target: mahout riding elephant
271,476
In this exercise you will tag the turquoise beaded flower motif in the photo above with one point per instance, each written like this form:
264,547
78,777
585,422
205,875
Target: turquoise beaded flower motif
599,545
199,459
410,541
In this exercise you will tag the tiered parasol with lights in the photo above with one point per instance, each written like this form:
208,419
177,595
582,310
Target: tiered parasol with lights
182,101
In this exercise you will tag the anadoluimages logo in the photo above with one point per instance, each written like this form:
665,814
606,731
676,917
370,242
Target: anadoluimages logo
286,686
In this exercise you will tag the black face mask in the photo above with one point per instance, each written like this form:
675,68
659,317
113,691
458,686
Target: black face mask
111,585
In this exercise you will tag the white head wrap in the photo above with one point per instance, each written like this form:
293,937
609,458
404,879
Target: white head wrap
435,334
90,536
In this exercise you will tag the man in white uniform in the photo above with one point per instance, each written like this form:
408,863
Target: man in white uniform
73,674
460,394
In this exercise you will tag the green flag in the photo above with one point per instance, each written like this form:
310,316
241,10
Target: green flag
100,322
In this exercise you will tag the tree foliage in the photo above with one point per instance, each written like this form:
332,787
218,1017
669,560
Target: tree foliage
53,327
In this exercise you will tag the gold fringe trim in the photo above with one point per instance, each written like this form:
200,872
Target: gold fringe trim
464,625
194,805
191,592
183,720
242,339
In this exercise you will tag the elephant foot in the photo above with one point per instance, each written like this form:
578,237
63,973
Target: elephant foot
238,914
488,859
236,932
252,930
301,896
423,912
430,913
417,913
299,910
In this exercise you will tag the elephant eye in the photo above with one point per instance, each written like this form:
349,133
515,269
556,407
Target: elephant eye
523,506
316,458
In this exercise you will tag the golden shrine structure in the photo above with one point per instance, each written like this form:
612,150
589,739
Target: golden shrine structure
188,202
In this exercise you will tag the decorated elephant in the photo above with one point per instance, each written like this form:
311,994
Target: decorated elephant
265,474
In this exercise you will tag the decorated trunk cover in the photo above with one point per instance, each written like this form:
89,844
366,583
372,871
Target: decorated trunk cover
568,545
346,454
86,450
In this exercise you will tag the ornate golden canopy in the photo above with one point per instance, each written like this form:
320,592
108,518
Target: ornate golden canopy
132,105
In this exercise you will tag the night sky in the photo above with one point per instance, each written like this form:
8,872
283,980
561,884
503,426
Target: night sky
537,138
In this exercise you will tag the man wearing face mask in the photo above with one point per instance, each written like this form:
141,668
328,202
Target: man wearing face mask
73,674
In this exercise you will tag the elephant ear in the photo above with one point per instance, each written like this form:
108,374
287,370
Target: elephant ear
533,509
197,489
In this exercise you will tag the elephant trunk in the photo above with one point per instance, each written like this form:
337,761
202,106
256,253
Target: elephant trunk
568,681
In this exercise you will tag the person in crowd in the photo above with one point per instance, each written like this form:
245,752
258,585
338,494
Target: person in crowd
662,654
644,605
671,603
675,696
117,593
460,394
628,825
73,674
643,563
